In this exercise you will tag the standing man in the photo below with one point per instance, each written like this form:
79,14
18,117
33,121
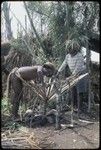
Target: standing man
75,61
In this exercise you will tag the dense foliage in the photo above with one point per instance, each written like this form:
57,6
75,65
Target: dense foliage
58,22
67,21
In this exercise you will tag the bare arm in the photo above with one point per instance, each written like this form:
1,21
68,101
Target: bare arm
62,67
40,74
39,69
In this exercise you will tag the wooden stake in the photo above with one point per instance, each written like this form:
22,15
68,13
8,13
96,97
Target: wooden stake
58,96
45,106
71,98
78,101
58,112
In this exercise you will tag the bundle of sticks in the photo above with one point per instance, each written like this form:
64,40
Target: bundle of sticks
50,91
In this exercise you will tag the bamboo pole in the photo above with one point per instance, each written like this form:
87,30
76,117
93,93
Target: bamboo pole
26,23
71,98
88,54
28,46
26,43
58,96
33,27
78,101
57,111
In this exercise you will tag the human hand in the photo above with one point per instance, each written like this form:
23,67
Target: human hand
57,74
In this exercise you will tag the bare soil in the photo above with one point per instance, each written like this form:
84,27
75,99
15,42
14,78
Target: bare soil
84,134
85,137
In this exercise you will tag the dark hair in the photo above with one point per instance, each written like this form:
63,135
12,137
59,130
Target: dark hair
73,45
50,66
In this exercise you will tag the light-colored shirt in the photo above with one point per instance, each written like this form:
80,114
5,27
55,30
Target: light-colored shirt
75,63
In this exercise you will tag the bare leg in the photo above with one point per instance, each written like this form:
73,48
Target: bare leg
18,95
74,93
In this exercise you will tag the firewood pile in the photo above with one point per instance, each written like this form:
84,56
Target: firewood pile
19,140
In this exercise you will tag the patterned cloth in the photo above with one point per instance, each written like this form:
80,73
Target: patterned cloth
76,65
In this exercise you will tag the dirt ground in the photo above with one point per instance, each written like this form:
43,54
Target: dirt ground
84,134
84,137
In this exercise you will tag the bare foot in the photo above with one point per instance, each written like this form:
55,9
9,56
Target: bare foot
15,117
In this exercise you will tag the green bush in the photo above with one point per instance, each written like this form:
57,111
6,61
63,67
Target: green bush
4,106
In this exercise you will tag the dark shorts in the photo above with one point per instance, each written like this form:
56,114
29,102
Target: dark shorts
82,85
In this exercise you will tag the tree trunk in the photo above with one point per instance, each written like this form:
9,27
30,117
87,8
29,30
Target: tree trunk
7,20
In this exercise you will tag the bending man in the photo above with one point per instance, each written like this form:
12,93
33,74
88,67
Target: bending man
27,73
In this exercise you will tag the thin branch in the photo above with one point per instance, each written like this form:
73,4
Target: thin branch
38,38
